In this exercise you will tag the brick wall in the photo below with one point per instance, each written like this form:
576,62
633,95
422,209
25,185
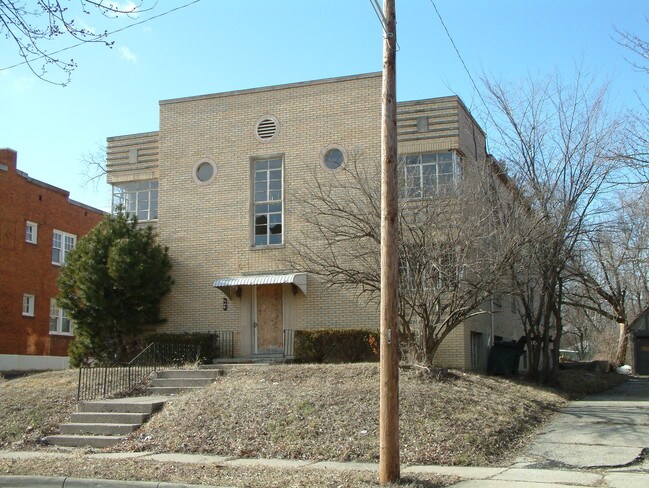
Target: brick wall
27,268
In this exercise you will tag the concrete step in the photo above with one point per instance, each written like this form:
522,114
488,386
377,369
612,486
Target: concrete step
108,418
98,429
171,390
98,441
190,373
182,382
144,404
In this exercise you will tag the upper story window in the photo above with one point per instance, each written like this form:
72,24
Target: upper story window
29,302
60,323
137,198
31,232
429,174
268,214
62,244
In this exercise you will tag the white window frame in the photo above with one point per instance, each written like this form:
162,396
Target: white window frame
59,320
267,202
29,305
31,232
415,171
139,198
62,244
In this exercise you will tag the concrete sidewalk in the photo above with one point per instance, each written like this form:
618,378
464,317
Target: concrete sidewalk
601,441
518,475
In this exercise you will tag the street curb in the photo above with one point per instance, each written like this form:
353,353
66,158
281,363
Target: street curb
60,482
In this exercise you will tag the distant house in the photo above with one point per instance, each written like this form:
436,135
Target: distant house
640,343
219,182
39,225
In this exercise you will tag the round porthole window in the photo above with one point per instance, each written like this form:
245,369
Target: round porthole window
333,157
204,171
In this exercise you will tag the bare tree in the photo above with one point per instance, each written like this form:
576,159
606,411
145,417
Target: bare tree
637,156
453,244
560,145
636,45
612,274
34,26
94,165
589,334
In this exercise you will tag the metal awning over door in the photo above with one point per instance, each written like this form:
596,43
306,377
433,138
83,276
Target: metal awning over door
227,285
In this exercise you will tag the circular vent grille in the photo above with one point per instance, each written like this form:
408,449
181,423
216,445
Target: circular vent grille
266,128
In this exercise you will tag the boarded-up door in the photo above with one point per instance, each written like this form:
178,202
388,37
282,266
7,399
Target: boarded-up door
270,319
642,355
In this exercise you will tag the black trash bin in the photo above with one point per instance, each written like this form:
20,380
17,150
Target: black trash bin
505,356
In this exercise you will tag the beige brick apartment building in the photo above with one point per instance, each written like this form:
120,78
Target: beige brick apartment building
219,181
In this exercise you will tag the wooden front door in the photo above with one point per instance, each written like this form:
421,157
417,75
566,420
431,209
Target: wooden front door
269,319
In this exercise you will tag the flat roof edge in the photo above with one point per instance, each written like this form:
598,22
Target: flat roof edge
87,207
131,136
274,87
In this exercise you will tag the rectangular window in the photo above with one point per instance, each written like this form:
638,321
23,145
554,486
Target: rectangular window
267,201
29,302
62,244
59,321
476,349
31,232
429,174
137,198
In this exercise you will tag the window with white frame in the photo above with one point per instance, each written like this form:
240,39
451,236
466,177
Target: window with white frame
31,232
268,214
137,198
59,321
429,174
29,302
62,244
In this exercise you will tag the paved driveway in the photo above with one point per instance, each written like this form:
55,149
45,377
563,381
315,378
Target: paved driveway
607,430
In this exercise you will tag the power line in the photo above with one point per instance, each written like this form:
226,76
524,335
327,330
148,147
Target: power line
457,51
49,55
382,20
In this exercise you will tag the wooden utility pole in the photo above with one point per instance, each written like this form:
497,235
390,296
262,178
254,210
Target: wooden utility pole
389,465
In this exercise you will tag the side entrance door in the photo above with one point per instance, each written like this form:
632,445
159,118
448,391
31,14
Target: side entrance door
268,325
642,355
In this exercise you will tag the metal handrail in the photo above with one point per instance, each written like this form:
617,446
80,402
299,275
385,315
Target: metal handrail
142,353
104,381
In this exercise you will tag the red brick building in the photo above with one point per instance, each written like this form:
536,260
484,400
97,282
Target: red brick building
39,225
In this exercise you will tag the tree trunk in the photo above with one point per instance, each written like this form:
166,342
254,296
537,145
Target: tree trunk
622,344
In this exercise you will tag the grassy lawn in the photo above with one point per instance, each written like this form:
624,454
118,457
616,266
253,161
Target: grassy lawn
314,412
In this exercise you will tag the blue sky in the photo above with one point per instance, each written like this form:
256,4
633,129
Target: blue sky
217,45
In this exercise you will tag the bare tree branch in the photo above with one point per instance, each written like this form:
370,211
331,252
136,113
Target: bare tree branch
562,148
33,29
452,248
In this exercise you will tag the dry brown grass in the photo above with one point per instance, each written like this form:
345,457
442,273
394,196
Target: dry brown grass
210,474
577,384
33,406
330,412
316,412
